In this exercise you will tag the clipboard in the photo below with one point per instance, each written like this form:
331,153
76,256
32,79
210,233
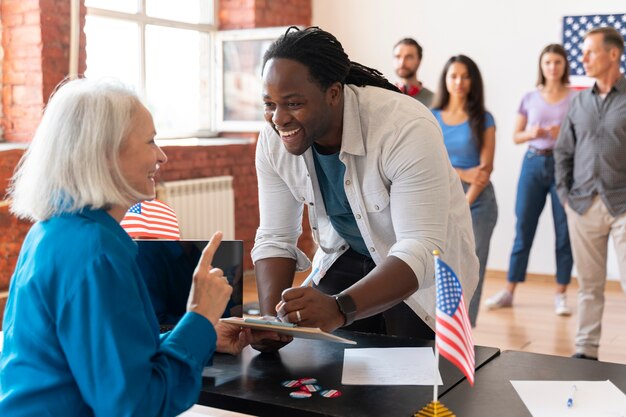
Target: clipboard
290,329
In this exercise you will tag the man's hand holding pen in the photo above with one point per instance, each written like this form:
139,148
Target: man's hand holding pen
309,307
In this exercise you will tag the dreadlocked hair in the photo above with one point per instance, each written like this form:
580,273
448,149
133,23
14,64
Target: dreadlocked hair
325,58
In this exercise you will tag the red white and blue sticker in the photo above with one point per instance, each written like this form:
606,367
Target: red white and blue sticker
306,381
306,386
330,393
291,383
300,394
310,387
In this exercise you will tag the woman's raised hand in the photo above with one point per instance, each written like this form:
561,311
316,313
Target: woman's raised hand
210,290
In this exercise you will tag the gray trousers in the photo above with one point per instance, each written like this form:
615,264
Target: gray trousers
589,236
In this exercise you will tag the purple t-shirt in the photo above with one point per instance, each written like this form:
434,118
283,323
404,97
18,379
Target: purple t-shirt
539,112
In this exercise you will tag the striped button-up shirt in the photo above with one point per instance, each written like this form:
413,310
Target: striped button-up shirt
590,153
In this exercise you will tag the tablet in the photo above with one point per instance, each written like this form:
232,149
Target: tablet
314,333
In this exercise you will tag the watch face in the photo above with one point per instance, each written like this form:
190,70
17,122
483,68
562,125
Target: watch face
346,304
347,307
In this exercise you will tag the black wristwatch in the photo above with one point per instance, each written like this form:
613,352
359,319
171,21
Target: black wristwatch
347,308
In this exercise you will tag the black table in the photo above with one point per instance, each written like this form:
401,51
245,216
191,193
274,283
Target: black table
494,395
251,383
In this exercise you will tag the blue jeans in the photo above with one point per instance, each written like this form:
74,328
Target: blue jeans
535,183
484,216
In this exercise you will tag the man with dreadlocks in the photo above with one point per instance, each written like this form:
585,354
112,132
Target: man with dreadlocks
373,172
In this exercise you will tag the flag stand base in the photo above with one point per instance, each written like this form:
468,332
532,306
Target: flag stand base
434,409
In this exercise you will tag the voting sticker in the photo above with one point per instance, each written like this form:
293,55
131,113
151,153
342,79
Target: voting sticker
291,383
330,393
306,381
300,394
310,387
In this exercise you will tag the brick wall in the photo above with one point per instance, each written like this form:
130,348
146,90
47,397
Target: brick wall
35,39
248,14
12,230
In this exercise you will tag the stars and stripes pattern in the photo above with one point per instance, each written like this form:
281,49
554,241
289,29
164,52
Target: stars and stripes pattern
453,329
151,219
574,29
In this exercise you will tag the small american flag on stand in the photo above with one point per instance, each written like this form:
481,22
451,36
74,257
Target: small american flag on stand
151,219
453,338
574,30
453,329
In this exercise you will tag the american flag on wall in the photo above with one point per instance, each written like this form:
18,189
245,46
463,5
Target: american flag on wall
453,329
151,219
574,29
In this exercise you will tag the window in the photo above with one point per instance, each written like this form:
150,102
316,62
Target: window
163,49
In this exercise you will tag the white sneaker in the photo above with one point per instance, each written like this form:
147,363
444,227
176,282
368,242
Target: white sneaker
560,305
500,300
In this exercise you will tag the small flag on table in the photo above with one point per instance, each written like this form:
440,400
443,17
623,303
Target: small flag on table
453,332
453,329
151,219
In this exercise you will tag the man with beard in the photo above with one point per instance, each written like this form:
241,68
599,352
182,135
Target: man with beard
407,57
373,172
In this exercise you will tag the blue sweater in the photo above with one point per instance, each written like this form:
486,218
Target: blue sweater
80,334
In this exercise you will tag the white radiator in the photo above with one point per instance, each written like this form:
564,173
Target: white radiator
202,206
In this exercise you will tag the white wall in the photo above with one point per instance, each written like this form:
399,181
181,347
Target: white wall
504,38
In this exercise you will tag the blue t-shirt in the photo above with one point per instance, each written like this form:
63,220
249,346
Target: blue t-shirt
80,335
461,144
330,172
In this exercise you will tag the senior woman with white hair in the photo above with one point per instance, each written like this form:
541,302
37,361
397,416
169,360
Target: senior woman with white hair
80,335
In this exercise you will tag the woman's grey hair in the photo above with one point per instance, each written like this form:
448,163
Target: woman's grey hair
73,159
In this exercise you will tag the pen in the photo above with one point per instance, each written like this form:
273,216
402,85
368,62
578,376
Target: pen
308,279
570,400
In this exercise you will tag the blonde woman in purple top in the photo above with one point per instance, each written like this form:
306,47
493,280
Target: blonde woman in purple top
538,123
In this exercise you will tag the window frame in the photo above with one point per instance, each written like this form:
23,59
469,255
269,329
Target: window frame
142,19
263,35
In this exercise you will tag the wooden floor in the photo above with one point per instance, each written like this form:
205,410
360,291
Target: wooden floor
531,324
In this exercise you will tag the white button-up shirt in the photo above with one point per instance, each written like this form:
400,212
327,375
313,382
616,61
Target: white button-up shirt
405,196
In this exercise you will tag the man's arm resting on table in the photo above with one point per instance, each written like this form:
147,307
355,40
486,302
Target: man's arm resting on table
273,275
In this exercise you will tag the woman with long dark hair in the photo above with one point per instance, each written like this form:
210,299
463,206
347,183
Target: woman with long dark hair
469,134
538,123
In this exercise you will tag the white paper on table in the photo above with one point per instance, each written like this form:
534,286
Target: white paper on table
389,366
591,398
203,411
